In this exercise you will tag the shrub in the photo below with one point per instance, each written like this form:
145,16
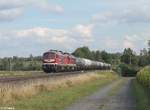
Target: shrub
143,76
127,70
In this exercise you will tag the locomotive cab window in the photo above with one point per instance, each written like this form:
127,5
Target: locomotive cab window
49,55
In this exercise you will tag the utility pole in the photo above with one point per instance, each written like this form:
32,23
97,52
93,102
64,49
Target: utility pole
9,64
149,47
130,59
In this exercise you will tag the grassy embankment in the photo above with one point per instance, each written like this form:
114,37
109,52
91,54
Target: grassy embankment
54,94
141,89
18,73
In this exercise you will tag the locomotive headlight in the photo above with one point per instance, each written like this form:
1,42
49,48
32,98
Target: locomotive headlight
49,60
52,60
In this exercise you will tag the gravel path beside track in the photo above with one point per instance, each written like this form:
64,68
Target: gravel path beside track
101,100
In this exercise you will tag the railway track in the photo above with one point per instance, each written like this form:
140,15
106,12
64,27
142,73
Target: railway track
39,76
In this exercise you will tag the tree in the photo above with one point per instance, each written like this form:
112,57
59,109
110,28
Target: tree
98,56
18,65
129,57
105,57
5,64
83,52
143,58
115,58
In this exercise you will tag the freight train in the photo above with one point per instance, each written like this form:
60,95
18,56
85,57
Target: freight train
58,61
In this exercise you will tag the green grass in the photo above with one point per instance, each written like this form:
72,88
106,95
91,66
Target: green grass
142,95
60,98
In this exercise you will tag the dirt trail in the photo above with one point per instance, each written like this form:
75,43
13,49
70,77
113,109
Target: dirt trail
102,100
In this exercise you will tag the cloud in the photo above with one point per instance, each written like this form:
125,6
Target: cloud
11,4
78,35
84,32
10,14
129,42
12,9
136,41
111,42
103,17
129,12
53,8
44,35
126,16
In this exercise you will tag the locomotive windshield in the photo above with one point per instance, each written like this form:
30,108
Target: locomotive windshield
49,55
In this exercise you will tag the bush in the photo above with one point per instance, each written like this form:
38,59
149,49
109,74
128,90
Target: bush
127,70
143,76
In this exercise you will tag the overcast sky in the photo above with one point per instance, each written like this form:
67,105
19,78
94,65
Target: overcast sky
35,26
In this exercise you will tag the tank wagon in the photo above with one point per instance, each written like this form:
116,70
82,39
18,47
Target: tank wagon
57,61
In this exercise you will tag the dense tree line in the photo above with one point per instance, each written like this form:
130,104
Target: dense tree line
103,56
128,56
20,63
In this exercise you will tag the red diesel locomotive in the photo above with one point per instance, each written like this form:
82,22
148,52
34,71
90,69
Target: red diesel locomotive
54,61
